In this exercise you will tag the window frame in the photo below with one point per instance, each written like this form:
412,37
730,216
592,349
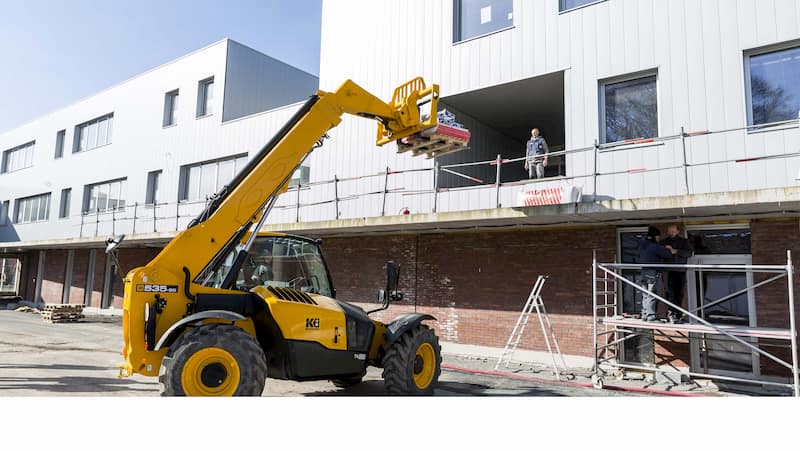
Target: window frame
561,10
28,147
748,89
78,134
5,217
457,28
61,137
87,195
601,97
23,202
151,191
170,118
65,203
185,179
203,104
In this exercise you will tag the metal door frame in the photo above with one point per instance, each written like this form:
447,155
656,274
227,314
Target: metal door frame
691,283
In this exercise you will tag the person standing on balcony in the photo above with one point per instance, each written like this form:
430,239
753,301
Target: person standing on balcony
676,277
536,155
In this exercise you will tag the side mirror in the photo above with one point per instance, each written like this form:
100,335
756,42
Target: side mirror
392,276
390,294
112,243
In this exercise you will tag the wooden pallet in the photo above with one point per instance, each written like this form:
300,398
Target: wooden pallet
61,317
63,307
62,313
441,140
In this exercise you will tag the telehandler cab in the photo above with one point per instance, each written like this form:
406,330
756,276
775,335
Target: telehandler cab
222,306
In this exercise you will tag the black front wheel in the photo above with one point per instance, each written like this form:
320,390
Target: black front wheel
413,363
214,360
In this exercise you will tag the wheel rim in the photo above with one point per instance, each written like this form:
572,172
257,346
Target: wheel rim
424,365
210,372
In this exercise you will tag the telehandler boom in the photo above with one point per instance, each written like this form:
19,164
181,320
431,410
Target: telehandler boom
222,306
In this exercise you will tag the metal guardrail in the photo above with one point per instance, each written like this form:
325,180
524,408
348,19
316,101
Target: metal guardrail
167,217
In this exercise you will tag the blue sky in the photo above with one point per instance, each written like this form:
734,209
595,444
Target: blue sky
53,53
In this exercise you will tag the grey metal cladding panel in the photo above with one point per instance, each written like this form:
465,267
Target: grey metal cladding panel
255,82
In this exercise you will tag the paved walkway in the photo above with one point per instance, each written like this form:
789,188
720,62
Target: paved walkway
42,359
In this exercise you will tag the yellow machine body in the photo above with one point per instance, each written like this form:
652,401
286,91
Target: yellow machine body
161,299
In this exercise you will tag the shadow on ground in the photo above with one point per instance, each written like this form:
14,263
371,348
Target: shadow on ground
444,388
67,384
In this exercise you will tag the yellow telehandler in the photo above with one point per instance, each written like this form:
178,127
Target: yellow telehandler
222,306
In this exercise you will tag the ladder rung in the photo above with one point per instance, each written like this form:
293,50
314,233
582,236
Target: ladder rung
606,292
606,306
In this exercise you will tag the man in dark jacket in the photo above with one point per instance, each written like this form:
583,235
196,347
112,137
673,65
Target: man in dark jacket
676,277
650,253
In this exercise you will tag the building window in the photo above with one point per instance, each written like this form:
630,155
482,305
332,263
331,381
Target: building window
151,196
63,210
773,93
94,133
32,209
3,213
201,180
104,196
18,158
473,18
205,97
60,143
567,5
629,109
170,108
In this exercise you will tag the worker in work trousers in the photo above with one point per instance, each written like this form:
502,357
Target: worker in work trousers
676,277
650,252
536,155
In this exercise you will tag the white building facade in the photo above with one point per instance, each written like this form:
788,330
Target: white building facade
175,133
643,98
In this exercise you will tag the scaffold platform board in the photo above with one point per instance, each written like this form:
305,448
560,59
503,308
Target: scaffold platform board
757,332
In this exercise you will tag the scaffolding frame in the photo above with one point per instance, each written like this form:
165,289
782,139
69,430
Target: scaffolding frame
605,299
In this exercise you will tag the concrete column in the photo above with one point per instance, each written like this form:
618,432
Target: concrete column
68,276
37,296
87,295
107,299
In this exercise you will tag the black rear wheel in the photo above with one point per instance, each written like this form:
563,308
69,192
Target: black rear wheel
214,360
413,363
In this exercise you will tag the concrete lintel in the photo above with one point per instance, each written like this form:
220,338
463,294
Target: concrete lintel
140,239
729,205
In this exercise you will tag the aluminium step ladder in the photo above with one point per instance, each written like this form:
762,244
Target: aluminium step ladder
536,303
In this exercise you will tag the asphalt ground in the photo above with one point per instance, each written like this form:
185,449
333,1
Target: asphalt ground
81,359
59,388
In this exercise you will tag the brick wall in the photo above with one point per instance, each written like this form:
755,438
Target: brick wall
97,284
80,264
55,263
476,284
771,240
